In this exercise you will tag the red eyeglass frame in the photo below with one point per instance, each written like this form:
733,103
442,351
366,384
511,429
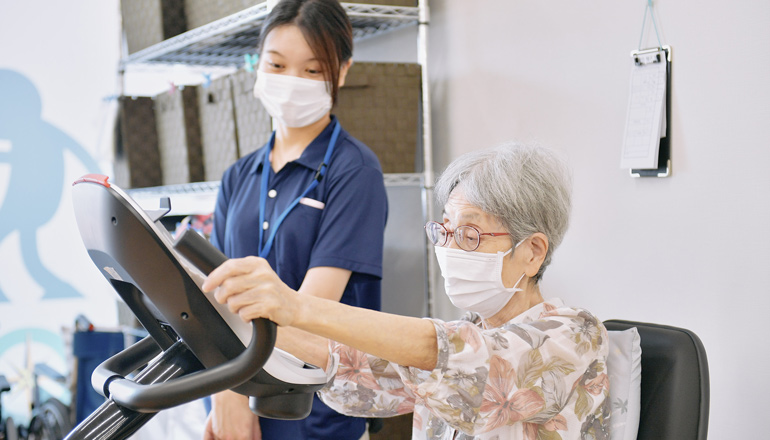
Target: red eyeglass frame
452,233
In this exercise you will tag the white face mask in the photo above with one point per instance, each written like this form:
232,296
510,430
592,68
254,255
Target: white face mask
474,280
293,101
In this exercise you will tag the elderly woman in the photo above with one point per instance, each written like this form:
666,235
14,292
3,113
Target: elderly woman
518,366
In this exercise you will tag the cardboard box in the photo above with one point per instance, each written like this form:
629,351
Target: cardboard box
252,122
380,106
137,158
202,12
148,22
179,136
412,3
220,145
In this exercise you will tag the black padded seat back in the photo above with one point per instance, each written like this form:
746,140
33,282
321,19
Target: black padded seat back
675,382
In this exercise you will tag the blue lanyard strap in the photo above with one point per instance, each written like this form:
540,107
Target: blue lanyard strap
265,250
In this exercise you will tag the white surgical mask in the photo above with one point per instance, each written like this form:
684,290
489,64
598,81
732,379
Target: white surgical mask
293,101
474,280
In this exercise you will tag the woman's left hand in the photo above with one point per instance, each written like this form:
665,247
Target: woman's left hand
251,289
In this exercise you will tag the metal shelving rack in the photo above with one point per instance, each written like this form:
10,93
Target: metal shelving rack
222,44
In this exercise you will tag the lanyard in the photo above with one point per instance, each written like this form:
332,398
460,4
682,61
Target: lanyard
265,250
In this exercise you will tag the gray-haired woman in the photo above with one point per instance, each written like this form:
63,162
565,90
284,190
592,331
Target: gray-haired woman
519,367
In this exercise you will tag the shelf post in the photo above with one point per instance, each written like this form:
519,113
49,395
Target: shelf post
427,148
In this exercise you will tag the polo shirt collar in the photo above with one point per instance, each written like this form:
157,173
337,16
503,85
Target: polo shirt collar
313,154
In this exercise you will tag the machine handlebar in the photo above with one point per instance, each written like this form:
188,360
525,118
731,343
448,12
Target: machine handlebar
109,376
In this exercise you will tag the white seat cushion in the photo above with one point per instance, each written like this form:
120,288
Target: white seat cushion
624,367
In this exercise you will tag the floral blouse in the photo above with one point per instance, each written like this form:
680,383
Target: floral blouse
542,375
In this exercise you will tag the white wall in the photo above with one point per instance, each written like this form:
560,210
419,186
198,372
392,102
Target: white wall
691,250
67,52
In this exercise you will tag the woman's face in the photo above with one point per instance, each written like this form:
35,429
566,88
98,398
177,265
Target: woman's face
286,52
458,212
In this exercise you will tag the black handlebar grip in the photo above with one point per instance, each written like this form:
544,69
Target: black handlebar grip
199,251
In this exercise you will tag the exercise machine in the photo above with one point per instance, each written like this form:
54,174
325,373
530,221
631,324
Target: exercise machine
196,347
51,419
8,429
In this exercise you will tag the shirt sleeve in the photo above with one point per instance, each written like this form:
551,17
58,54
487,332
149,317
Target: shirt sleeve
363,385
548,374
352,225
221,211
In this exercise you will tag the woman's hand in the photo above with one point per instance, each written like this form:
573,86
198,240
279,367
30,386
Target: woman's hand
251,289
231,419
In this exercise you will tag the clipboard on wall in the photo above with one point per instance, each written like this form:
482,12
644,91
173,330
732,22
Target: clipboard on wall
646,144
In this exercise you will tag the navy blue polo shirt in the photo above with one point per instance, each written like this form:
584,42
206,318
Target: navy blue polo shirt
338,224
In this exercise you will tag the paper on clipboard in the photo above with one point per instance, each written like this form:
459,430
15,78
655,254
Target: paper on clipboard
646,118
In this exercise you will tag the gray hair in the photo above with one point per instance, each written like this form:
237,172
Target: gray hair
526,188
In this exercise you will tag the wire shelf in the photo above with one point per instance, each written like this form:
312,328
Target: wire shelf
224,42
182,188
212,187
200,197
403,179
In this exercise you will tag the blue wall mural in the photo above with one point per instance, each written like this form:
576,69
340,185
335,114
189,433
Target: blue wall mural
36,159
34,180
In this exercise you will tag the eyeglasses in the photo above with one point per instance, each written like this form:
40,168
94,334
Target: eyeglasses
467,237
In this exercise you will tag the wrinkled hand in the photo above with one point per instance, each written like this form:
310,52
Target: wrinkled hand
231,419
251,289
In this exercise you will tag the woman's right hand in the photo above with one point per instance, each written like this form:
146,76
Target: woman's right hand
231,419
251,289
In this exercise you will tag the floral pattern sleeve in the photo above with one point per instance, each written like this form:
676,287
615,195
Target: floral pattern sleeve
541,375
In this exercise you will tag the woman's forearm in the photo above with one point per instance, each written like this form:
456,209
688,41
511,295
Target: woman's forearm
404,340
308,347
251,289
